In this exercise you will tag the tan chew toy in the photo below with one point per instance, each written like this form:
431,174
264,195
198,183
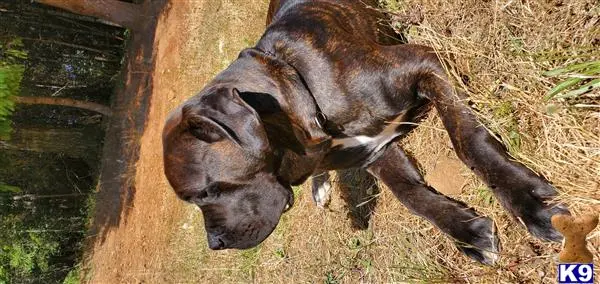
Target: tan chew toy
575,230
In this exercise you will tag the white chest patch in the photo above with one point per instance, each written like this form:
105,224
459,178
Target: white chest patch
375,142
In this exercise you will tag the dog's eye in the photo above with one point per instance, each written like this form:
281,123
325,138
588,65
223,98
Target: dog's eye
205,129
194,197
209,193
202,195
213,190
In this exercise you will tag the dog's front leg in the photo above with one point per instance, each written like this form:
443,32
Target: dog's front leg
475,234
521,191
321,189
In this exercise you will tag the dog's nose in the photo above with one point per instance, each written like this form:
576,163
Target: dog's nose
215,241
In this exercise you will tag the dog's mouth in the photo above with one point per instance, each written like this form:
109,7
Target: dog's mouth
252,235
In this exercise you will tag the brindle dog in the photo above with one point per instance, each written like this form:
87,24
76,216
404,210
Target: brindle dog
328,86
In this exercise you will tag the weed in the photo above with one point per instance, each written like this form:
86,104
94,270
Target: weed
581,78
280,253
249,261
73,277
485,196
331,278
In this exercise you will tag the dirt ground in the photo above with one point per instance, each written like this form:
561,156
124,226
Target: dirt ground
365,235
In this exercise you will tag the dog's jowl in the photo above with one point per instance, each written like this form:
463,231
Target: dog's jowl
330,86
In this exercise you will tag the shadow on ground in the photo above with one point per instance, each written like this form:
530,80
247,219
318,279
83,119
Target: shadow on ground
116,188
360,191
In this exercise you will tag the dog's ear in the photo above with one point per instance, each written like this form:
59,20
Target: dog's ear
293,123
222,114
281,131
285,130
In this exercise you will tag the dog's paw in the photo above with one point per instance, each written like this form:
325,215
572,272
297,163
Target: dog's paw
480,241
539,224
322,194
321,190
534,210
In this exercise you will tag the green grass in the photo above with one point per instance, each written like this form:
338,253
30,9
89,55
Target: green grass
333,278
576,80
485,196
73,277
249,261
413,265
505,116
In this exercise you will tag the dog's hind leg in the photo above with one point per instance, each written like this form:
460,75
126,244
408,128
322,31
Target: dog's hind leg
521,191
475,235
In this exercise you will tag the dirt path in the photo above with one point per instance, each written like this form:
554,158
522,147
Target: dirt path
130,238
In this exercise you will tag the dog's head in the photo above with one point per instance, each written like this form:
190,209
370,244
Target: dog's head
236,153
218,155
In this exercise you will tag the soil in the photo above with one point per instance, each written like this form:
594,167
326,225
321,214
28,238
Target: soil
133,208
446,176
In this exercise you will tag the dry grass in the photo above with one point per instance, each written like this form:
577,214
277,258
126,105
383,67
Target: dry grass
496,51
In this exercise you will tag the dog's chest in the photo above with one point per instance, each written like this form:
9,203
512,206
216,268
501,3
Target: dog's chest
358,150
377,141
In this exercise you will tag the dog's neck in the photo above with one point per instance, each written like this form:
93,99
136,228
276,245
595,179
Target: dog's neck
260,74
289,113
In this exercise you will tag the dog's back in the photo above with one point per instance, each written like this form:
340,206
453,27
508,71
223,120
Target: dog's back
360,17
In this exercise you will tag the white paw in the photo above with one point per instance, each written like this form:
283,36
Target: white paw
321,191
